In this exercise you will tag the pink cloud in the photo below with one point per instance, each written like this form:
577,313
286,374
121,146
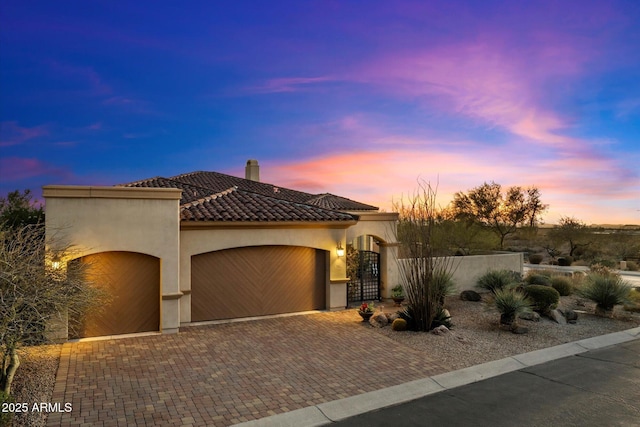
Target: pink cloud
601,188
19,168
13,134
486,81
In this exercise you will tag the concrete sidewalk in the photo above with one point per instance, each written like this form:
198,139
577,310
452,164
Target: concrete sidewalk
345,409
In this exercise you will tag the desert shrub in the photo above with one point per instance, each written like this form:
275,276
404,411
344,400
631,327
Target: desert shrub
399,325
562,285
535,258
493,280
443,285
510,303
605,289
543,298
597,264
633,301
632,266
565,261
538,279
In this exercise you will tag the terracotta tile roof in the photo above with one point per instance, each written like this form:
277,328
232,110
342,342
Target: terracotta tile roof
189,192
237,205
220,182
213,196
331,201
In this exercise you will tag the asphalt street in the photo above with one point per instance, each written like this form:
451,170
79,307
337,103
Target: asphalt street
596,388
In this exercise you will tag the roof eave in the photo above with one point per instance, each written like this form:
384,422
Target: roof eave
198,225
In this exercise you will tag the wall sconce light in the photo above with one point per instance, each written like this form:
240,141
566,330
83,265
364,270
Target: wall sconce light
340,250
55,263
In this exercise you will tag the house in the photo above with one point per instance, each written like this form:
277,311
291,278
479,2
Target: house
205,246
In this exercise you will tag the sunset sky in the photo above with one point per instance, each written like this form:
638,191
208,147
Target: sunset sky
356,98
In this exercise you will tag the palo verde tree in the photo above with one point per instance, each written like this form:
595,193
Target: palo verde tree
461,237
573,232
35,290
502,212
425,277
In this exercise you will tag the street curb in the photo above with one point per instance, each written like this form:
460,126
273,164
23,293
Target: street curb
326,413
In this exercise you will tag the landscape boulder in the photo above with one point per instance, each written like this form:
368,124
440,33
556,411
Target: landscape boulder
570,315
470,295
531,316
379,320
517,329
440,330
557,316
392,316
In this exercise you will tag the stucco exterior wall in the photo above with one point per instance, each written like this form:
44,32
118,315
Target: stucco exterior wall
147,220
196,239
102,219
467,269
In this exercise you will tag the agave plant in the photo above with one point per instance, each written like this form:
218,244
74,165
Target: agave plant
606,290
510,303
494,280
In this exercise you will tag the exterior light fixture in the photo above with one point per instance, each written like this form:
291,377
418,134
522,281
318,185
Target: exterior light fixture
55,263
340,250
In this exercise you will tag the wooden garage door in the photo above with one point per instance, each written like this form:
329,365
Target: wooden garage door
133,282
256,281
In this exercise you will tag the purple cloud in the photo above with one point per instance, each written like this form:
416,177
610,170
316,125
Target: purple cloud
13,134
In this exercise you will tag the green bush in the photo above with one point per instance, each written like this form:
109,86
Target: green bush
494,280
510,303
397,292
565,261
538,279
544,298
605,289
443,285
5,417
633,301
562,285
399,325
632,266
535,258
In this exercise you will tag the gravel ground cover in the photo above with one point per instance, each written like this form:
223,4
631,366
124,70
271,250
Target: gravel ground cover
35,380
475,338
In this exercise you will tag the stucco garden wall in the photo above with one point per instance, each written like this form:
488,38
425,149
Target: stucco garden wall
467,269
102,219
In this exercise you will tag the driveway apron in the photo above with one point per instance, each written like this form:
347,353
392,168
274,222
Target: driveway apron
229,373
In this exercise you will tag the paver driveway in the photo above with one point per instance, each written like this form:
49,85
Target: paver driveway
229,373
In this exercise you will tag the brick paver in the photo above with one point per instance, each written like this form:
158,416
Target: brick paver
229,373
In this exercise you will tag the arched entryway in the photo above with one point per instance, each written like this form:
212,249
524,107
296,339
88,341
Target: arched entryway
132,281
256,281
363,269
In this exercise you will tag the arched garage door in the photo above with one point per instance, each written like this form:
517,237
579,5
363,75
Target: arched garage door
133,282
256,281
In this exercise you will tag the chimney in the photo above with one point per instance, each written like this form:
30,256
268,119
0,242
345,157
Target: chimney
252,170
